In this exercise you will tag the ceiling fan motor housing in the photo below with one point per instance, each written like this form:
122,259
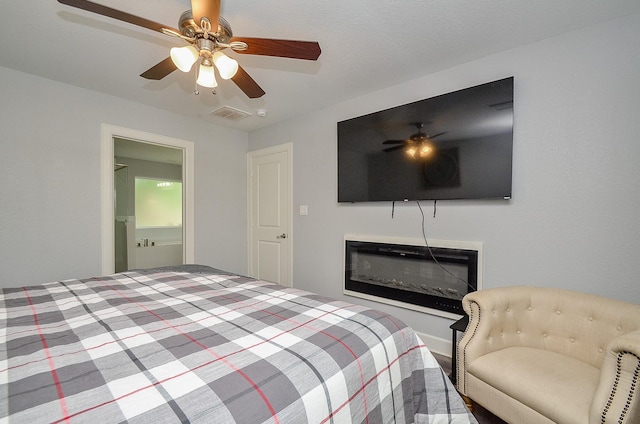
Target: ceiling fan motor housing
189,28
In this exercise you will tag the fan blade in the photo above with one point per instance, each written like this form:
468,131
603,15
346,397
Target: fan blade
209,9
394,142
159,71
115,14
436,135
247,84
391,149
307,50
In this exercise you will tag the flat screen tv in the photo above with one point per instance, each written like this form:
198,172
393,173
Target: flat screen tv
453,146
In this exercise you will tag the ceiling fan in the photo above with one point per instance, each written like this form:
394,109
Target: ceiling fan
418,145
208,34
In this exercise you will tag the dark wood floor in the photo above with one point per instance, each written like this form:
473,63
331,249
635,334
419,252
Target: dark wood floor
482,415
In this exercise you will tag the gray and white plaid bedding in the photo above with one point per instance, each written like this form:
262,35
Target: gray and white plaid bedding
210,348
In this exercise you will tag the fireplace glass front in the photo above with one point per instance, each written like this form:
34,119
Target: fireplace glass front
435,278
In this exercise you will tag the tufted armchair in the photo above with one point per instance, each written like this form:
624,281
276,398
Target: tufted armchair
544,355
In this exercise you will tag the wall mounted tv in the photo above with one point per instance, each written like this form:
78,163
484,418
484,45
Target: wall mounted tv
466,139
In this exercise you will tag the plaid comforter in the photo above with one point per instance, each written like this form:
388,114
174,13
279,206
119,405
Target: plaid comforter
210,348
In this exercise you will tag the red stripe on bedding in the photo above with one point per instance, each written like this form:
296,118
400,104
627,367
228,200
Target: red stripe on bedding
52,367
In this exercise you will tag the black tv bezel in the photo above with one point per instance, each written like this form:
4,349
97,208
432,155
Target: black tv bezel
505,195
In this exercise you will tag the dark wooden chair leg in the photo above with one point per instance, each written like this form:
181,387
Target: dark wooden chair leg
468,402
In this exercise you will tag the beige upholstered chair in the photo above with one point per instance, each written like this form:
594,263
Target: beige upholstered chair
543,355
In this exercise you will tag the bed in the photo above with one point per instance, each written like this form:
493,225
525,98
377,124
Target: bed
195,344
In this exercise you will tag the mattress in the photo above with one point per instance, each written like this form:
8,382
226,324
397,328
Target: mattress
204,346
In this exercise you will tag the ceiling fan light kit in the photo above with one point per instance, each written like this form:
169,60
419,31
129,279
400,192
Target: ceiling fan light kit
206,42
185,57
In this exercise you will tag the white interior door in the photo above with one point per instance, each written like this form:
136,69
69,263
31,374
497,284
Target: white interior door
270,214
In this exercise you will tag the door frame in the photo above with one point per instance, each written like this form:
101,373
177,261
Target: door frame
108,132
280,148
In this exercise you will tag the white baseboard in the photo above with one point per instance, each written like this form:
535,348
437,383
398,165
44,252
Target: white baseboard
436,344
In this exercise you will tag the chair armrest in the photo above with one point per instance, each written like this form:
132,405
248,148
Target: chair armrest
486,309
617,396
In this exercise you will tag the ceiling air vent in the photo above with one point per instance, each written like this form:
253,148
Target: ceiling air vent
230,113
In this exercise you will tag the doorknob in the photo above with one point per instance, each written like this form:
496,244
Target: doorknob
282,236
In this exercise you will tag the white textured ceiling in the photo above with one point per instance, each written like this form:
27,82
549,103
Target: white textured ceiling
366,45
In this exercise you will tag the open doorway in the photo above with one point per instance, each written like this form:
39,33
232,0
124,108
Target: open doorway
148,205
161,167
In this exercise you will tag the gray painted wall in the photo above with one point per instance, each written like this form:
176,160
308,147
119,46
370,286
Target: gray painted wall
50,179
574,219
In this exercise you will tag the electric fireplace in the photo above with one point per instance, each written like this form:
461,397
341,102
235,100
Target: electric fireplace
410,274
